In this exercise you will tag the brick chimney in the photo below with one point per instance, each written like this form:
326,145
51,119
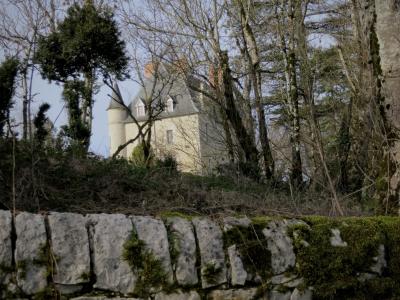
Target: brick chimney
212,77
149,69
181,65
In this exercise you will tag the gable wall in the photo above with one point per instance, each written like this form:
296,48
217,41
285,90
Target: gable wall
186,141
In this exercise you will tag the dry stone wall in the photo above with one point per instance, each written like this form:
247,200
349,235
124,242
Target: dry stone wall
113,256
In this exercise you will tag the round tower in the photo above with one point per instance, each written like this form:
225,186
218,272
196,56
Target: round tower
117,114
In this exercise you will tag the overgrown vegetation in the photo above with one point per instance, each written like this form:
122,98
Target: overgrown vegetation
62,179
8,73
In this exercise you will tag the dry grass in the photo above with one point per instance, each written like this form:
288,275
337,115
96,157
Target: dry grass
60,181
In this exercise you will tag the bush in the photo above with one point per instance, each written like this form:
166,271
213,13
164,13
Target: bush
138,158
168,164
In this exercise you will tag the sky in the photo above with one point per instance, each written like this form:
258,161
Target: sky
44,91
51,93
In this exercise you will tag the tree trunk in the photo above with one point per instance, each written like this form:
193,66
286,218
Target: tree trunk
245,140
385,52
25,105
87,106
255,73
292,96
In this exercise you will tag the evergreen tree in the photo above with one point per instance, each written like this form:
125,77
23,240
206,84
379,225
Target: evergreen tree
85,45
39,122
8,73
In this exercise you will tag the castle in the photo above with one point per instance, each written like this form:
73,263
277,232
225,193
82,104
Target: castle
187,123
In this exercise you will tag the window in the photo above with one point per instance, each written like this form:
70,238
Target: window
170,105
170,137
140,109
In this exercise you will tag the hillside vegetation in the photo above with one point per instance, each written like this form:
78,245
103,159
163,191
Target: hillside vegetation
55,179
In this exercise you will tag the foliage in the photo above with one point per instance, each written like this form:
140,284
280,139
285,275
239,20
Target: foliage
8,73
149,270
138,157
40,121
63,179
77,129
168,163
86,44
87,39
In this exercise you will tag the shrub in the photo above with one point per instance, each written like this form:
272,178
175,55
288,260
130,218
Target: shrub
168,164
138,158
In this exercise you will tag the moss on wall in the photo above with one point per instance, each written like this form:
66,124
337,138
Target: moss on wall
334,272
149,270
252,247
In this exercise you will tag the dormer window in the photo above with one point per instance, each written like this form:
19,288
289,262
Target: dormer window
140,111
170,105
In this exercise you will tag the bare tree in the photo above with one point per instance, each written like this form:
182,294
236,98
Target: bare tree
193,30
21,24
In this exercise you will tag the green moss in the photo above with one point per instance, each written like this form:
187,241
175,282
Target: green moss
151,275
47,293
391,229
333,271
172,214
211,272
261,220
21,268
6,269
85,276
173,241
133,250
252,246
149,270
46,259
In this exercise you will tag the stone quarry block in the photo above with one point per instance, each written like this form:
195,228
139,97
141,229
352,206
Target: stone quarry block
70,247
154,234
209,237
5,248
301,295
236,294
232,222
237,270
280,245
102,298
380,261
31,252
182,236
277,295
108,234
192,295
5,239
336,239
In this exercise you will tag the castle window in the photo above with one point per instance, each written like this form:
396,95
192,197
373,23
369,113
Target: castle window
170,105
170,137
140,111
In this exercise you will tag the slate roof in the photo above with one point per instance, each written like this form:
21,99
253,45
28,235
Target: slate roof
186,101
115,95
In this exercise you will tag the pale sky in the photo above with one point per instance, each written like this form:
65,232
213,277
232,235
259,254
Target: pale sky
51,93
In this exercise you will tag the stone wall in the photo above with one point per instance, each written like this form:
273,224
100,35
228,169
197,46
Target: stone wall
113,256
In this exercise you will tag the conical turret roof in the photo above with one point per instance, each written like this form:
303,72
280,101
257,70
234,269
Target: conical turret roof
115,98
